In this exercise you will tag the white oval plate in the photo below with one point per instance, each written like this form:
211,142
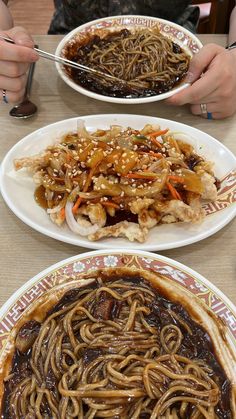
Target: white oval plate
69,269
18,187
181,36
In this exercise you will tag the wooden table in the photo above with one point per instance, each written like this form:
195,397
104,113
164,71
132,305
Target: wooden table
25,252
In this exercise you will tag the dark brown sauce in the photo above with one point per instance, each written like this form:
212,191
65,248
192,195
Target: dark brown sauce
39,196
198,346
121,216
78,52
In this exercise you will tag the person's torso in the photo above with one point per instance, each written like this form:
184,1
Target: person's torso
72,13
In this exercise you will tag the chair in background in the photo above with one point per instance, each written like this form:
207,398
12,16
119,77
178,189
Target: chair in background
214,15
208,15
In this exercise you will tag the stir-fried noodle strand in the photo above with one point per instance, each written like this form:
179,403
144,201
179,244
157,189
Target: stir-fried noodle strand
101,353
149,61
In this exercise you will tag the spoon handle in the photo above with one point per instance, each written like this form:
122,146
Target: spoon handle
29,81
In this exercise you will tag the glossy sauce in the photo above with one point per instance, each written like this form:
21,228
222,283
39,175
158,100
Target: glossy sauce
39,196
121,216
78,53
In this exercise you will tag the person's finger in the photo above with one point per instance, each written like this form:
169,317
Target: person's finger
210,98
201,88
22,51
201,60
13,84
210,107
214,111
20,36
10,52
13,69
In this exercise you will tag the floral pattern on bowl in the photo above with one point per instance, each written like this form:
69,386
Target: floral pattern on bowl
73,268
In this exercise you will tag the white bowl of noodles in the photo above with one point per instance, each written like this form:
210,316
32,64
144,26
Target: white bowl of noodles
151,79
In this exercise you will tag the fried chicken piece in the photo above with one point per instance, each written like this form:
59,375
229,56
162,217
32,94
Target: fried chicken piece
33,163
210,190
131,231
95,212
57,218
148,218
179,210
137,205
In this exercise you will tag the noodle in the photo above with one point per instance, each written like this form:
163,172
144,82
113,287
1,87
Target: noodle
103,354
149,61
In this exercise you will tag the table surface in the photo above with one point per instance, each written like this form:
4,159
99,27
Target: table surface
25,252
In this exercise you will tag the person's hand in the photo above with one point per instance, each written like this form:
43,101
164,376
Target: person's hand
14,63
212,74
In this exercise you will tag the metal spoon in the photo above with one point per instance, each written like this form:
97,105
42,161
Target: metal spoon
26,108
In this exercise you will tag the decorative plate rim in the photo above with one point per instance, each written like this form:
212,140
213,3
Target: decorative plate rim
185,276
229,212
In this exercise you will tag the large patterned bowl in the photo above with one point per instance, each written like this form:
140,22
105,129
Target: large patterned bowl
176,33
75,266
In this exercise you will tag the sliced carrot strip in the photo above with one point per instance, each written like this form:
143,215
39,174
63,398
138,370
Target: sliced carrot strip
77,204
142,175
62,213
155,142
159,155
173,191
110,204
158,133
155,134
151,153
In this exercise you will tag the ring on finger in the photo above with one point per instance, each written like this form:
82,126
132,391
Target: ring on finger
204,111
203,107
4,96
209,115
